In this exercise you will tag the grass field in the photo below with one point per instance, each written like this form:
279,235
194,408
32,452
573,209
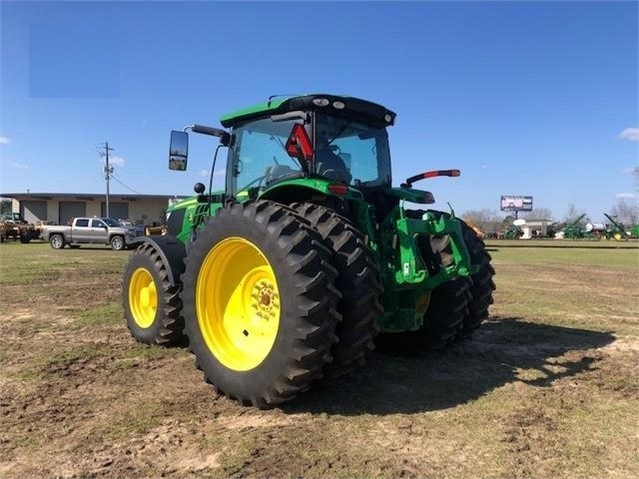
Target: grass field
547,388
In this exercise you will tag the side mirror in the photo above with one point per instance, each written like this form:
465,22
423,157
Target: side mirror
178,150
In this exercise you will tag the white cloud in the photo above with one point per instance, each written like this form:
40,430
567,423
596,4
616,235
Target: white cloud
4,140
20,166
114,161
630,134
626,195
221,172
203,174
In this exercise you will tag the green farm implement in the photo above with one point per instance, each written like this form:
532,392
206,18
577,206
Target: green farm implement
615,230
308,257
575,229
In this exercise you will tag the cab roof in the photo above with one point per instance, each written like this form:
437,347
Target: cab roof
356,108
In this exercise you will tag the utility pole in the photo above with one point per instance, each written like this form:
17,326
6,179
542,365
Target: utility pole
108,170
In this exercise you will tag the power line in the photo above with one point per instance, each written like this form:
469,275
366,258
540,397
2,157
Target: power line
127,187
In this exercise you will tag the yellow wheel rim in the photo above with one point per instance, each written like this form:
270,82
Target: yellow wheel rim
143,298
238,304
617,237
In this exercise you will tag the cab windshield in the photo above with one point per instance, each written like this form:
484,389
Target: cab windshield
362,149
259,155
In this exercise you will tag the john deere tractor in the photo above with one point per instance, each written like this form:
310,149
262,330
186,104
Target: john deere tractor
307,257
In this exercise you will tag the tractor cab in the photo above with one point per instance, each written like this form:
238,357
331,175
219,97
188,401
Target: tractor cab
337,139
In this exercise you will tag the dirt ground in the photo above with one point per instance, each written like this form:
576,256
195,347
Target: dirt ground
538,392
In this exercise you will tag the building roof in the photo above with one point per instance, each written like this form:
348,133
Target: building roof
85,196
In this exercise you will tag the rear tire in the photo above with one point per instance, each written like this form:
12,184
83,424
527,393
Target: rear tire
448,304
482,285
447,309
260,303
152,306
358,281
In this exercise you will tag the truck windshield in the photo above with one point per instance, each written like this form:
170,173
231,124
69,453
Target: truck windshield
362,148
111,222
259,156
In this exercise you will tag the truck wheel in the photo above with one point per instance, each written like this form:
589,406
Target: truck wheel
260,303
152,306
482,285
24,239
358,282
117,243
57,241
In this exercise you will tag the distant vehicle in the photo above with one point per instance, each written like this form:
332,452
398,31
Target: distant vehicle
14,217
90,231
13,225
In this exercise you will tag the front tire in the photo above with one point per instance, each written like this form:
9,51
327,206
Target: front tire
260,303
117,243
152,306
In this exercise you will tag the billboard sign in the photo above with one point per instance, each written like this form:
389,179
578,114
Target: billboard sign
516,203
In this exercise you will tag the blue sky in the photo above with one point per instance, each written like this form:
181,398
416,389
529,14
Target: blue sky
526,98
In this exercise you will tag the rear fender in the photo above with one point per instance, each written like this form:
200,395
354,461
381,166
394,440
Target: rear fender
171,250
302,188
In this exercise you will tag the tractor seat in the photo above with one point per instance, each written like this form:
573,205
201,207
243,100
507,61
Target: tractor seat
276,172
338,174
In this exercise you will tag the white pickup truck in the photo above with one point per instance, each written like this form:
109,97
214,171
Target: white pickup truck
90,231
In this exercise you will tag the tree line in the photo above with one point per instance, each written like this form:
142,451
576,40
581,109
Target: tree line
491,221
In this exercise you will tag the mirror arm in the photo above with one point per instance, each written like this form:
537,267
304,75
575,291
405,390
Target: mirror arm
208,130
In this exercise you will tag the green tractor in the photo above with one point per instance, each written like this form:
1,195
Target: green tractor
307,258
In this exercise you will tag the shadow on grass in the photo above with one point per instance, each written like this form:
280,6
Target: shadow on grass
461,373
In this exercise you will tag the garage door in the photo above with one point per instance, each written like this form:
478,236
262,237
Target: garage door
71,209
33,211
117,211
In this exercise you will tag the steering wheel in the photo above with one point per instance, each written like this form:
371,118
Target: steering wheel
257,180
340,174
276,172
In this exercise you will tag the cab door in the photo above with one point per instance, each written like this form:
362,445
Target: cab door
81,231
99,231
